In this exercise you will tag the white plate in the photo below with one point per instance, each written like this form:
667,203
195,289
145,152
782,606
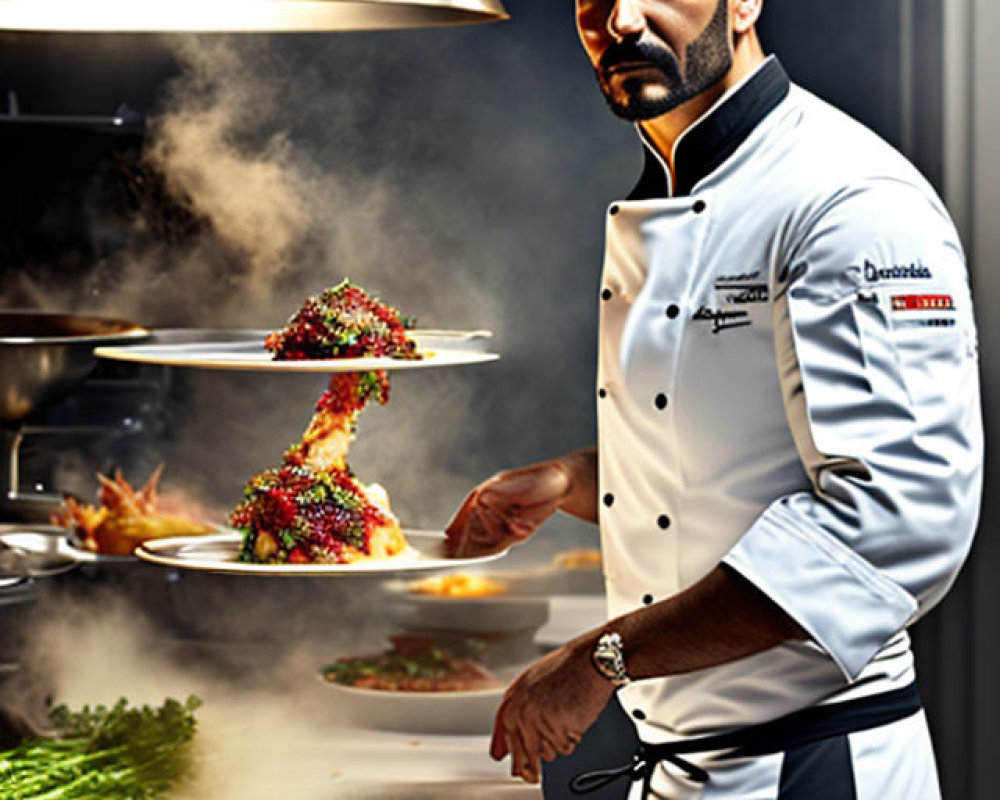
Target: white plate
244,350
569,616
218,553
456,713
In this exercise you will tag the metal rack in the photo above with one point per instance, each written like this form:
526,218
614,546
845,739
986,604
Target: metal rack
123,120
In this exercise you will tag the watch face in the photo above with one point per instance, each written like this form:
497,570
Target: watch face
609,660
606,664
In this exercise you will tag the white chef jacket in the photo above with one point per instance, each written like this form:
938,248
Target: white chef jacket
787,384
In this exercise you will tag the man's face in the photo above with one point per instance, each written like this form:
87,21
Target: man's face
652,55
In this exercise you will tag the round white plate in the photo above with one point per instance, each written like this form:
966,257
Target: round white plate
218,553
232,351
453,713
569,616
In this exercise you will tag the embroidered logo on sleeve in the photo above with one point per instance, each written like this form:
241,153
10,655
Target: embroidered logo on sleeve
922,302
897,272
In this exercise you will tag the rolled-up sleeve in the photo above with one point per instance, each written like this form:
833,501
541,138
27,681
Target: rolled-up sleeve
876,350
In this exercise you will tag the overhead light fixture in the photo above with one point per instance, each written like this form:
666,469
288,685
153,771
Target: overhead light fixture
242,16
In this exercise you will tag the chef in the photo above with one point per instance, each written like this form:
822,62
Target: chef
788,470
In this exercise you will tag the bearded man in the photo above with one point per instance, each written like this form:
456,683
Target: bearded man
789,462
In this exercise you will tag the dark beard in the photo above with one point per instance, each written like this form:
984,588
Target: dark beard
708,59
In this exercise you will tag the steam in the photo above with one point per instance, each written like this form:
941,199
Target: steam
288,165
254,213
268,726
285,165
255,197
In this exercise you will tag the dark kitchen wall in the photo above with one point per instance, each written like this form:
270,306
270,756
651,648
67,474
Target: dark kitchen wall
463,174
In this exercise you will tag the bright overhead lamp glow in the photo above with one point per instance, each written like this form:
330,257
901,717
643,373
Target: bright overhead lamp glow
242,16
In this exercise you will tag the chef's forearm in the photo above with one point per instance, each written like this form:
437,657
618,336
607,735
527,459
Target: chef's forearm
581,500
721,618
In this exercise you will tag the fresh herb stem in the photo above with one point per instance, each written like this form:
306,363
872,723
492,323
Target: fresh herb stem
118,752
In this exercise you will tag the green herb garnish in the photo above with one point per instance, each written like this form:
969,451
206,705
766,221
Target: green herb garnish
120,753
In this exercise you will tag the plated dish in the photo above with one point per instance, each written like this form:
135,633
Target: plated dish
445,713
418,685
415,664
220,553
125,516
230,351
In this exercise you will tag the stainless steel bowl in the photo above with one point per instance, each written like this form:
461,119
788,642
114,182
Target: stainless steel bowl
44,355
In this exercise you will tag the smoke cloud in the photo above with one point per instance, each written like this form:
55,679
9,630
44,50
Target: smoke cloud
445,171
268,726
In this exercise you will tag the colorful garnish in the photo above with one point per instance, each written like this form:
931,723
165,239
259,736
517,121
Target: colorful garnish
299,515
343,322
415,664
312,509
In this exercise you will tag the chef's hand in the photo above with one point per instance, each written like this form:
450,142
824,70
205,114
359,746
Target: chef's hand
507,509
548,707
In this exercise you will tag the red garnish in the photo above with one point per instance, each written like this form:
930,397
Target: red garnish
342,322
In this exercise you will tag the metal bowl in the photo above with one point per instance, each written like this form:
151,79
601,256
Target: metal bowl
42,550
44,355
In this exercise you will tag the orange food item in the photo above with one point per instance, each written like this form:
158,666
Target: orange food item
125,518
579,559
460,585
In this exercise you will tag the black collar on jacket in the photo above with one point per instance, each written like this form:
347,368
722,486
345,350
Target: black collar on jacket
714,137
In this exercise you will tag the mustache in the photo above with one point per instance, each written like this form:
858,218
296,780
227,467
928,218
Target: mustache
631,52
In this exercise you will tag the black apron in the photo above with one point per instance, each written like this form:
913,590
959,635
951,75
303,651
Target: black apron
608,741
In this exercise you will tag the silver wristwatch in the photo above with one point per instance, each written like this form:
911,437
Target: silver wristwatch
609,659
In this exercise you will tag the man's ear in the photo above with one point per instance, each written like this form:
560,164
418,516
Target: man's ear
744,14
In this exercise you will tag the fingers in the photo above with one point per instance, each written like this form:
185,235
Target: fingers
547,750
569,742
486,533
524,756
498,744
506,509
455,532
479,529
475,531
528,741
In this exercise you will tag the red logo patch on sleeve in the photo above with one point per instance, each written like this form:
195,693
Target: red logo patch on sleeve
922,302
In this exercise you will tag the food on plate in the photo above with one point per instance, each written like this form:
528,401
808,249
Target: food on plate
125,517
312,509
120,751
415,664
326,441
460,584
343,322
578,559
300,515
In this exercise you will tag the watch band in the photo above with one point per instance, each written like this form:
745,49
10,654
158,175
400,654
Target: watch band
609,659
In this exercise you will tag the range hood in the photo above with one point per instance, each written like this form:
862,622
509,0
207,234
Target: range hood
242,16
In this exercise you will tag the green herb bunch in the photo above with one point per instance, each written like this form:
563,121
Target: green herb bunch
119,753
